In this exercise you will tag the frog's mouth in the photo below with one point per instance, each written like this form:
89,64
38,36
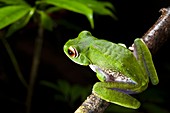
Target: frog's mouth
111,75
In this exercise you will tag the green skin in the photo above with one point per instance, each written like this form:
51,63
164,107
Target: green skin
120,71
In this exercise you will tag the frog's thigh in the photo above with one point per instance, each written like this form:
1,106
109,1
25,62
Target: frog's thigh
145,59
101,89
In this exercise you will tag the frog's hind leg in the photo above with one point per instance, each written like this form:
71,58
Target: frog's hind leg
144,57
106,91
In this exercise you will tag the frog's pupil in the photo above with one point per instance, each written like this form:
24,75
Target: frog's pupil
71,53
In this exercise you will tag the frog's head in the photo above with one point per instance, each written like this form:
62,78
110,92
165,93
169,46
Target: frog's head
77,49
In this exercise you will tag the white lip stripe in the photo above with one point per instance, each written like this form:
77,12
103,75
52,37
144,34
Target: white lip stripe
93,67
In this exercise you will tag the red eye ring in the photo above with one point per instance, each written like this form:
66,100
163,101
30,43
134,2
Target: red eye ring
72,52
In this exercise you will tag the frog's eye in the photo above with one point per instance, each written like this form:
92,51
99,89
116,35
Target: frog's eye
72,52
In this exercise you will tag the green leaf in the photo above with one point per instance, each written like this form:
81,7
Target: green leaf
74,6
100,7
10,14
53,9
49,84
20,23
16,2
61,86
46,21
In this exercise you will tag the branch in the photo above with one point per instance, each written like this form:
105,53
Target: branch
154,38
159,33
93,104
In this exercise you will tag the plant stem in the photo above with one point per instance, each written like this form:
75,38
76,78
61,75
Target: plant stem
154,38
34,69
14,61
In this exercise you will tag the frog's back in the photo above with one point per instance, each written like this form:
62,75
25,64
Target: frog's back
112,51
109,55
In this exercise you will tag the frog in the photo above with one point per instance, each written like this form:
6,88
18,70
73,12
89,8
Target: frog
121,71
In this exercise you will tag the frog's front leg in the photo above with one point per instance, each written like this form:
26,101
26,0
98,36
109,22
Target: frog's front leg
116,93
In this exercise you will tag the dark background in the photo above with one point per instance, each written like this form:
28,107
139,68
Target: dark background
134,19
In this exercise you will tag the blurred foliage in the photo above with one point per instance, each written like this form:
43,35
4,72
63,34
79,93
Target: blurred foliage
19,15
16,15
69,94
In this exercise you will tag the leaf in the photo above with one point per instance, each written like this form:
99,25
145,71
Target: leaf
53,9
100,7
69,93
16,2
20,23
74,6
46,21
49,84
78,91
10,14
61,86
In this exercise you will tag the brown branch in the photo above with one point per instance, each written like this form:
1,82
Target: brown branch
158,34
93,104
154,38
